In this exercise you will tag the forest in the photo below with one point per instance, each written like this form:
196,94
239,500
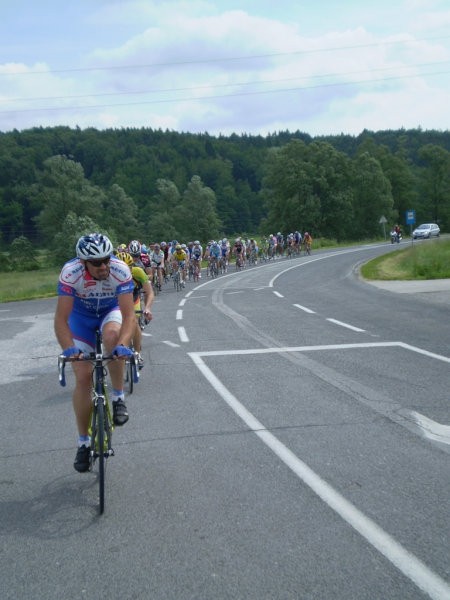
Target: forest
57,183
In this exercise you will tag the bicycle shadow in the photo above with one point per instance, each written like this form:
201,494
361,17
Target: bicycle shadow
63,508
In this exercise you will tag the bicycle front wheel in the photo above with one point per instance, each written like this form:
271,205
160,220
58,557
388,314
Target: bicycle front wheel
129,379
101,453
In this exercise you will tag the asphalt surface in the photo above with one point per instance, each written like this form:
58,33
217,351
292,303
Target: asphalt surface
288,440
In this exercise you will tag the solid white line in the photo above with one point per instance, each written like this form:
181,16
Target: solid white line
407,563
307,310
172,344
424,352
346,325
182,302
189,293
322,257
179,315
278,294
431,429
301,348
183,335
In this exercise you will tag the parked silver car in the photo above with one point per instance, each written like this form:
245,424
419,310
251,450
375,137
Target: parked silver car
427,230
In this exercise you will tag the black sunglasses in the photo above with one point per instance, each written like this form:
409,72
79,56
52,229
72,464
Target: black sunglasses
100,262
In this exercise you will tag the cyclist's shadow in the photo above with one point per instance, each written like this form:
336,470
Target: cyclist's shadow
63,508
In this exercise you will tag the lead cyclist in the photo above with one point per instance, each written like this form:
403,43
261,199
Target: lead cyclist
95,290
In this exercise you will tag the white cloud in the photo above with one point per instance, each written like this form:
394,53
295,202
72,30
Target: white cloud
193,66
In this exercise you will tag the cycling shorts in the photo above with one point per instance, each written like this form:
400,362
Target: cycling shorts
83,327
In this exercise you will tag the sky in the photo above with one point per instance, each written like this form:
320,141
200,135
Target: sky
322,67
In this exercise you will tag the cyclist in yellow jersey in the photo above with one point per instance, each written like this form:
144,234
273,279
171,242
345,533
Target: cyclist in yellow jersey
178,259
141,282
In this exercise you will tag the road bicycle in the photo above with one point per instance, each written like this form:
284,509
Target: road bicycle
223,265
101,425
196,270
131,375
213,269
178,282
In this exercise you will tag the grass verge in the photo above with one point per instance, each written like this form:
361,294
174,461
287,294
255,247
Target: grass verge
28,285
419,261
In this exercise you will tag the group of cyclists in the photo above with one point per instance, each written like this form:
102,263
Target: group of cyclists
110,288
161,260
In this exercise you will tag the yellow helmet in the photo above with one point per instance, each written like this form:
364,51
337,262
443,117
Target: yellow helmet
127,258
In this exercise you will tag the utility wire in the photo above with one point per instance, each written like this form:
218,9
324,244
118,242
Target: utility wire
223,85
223,59
218,96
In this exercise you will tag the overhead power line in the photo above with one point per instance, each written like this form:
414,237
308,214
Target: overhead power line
224,85
222,59
231,95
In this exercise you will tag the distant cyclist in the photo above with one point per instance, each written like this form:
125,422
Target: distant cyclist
95,290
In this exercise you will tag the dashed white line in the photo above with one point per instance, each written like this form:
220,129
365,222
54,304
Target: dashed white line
172,344
346,325
182,302
179,315
278,294
183,335
307,310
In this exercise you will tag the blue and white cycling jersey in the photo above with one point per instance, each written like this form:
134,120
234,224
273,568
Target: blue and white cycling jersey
93,297
214,250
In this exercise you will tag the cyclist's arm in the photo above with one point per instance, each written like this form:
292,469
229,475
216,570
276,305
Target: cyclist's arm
127,329
61,323
148,297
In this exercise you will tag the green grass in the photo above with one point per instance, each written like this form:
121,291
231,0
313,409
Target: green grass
427,260
28,285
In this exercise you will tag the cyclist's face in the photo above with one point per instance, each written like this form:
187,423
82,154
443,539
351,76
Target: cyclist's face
99,269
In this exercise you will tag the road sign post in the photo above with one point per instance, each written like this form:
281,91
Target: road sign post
410,220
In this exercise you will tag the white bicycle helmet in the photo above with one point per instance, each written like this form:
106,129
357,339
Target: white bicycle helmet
94,246
134,248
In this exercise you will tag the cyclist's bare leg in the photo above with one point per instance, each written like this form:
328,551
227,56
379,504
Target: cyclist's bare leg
110,334
81,398
137,337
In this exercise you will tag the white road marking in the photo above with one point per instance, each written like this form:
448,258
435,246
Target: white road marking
147,334
179,315
172,344
346,325
189,294
431,429
182,302
183,335
278,294
307,310
412,567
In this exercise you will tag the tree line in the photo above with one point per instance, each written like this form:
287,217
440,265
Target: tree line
154,185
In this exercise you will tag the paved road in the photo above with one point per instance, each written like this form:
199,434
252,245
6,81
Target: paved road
289,440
